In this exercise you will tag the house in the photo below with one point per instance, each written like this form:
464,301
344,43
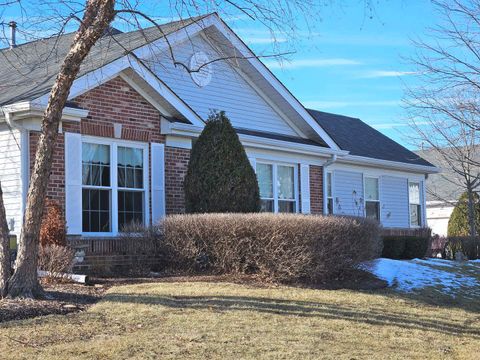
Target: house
127,130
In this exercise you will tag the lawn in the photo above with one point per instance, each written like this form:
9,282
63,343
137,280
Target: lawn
207,320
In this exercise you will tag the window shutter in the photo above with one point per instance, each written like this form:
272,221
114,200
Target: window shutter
305,187
73,183
158,182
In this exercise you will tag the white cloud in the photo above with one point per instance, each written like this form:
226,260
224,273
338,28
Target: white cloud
385,73
343,104
306,63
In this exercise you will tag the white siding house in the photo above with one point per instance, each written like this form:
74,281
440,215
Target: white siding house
10,175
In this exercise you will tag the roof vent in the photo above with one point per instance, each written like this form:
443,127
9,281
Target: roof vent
13,30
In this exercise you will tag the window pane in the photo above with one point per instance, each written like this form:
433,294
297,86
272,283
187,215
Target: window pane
329,184
265,181
286,206
96,210
371,189
414,193
330,206
266,205
130,208
372,210
130,167
285,182
415,215
96,164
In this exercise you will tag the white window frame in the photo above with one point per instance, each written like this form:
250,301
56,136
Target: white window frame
114,188
275,198
331,193
365,197
420,203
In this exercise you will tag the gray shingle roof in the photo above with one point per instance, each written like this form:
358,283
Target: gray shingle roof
360,139
29,70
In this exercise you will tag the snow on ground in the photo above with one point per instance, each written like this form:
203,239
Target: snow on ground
449,277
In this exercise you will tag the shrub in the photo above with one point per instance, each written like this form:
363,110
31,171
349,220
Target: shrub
393,247
283,247
146,243
219,176
405,247
53,230
55,259
458,225
467,245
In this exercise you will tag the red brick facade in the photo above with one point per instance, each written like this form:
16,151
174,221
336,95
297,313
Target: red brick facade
316,189
115,102
176,162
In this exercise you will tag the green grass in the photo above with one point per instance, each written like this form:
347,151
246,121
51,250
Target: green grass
198,320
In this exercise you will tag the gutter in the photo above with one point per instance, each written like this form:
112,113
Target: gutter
187,130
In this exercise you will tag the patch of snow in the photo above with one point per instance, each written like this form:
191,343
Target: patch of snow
416,274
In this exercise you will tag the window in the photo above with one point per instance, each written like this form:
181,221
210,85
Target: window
329,194
415,204
372,199
111,199
277,187
130,186
96,190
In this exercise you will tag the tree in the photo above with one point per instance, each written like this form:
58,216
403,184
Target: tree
95,18
220,177
443,105
458,225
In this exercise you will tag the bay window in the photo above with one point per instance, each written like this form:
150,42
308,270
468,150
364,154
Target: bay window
372,198
277,184
415,204
114,182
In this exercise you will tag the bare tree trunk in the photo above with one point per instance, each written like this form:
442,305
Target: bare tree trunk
4,248
97,17
472,214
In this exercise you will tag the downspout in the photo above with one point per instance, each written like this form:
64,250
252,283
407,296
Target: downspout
24,162
329,162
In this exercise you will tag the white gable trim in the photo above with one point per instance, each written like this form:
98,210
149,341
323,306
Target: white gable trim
100,76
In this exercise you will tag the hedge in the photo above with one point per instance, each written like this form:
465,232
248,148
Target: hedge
276,247
405,247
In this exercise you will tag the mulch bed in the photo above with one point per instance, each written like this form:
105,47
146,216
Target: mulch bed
65,298
60,299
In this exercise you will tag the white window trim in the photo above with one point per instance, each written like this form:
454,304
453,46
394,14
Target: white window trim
365,176
420,203
114,144
332,193
275,199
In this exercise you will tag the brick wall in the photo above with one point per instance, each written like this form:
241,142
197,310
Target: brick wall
176,163
113,102
316,189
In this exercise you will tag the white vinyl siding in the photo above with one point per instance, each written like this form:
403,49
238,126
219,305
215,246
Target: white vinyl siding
227,91
394,199
10,176
348,198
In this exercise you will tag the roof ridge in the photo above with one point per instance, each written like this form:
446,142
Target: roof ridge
119,32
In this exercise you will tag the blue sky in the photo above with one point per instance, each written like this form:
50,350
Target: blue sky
355,65
350,61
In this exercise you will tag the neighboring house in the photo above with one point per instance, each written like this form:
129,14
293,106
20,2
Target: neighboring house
127,130
442,193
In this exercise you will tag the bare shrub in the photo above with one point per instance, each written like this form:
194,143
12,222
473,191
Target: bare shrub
54,228
146,243
55,259
278,247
